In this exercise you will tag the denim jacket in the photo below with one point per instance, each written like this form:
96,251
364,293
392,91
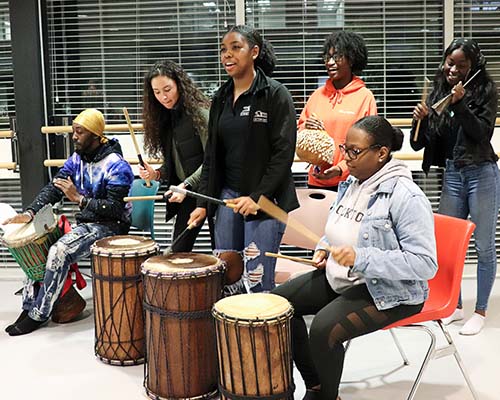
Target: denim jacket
396,251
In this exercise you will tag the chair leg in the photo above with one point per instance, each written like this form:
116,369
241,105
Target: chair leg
400,348
428,356
459,360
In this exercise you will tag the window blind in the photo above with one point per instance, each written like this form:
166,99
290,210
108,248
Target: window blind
99,50
480,20
7,106
404,41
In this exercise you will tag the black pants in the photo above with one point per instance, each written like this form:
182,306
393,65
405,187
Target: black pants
181,212
319,357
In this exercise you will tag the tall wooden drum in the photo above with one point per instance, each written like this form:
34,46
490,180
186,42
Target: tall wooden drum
179,292
254,347
117,289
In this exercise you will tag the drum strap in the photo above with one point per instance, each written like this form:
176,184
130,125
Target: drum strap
288,394
201,314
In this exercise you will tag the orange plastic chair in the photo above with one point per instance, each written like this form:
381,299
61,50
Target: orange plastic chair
452,239
312,213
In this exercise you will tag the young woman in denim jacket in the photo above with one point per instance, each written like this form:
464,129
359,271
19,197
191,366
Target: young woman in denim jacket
459,139
381,233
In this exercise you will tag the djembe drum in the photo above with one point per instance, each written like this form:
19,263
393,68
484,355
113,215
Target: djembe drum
117,288
29,245
179,292
315,147
254,347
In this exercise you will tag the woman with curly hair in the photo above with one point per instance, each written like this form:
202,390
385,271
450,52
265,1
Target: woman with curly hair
335,106
175,118
459,139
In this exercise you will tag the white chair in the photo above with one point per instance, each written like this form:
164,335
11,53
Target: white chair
312,213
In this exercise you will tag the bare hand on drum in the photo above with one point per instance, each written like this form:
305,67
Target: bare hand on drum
420,111
176,197
18,219
319,258
147,172
328,173
68,188
457,93
197,216
344,256
313,122
244,205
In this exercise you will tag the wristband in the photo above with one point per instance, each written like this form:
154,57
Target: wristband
30,214
83,202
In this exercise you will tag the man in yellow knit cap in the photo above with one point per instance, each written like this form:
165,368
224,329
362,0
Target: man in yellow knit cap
96,177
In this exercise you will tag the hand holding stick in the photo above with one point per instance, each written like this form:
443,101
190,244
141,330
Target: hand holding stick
134,140
220,202
441,105
424,97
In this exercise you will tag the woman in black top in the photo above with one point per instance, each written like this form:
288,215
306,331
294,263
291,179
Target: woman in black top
175,116
459,140
250,150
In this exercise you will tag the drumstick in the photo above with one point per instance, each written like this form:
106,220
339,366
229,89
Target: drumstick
291,258
170,248
202,197
134,140
424,97
277,213
142,198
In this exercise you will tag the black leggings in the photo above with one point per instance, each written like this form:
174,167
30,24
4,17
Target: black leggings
319,357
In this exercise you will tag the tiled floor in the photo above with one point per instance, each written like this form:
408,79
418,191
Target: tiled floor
57,361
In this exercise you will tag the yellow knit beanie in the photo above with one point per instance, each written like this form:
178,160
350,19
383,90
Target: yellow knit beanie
92,120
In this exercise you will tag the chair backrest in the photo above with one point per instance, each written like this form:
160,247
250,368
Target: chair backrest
143,211
312,213
452,240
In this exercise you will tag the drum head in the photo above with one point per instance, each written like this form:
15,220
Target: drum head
262,306
26,233
180,264
123,245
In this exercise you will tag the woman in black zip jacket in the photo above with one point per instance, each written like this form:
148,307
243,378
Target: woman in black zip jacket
175,118
459,139
250,150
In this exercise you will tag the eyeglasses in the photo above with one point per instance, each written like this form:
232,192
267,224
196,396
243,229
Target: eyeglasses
336,57
354,153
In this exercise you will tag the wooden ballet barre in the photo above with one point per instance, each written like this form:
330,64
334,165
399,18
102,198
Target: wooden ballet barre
108,128
7,165
58,162
6,134
399,122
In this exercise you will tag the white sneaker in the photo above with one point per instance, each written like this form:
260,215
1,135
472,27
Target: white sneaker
473,326
457,315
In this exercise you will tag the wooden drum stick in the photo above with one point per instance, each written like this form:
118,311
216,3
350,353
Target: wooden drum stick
277,213
291,258
143,198
134,140
424,97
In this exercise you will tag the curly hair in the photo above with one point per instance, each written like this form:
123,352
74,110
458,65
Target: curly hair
155,115
350,45
266,59
481,87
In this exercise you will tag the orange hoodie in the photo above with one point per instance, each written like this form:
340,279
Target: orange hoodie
339,110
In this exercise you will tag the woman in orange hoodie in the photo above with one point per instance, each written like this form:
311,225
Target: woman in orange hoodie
338,104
